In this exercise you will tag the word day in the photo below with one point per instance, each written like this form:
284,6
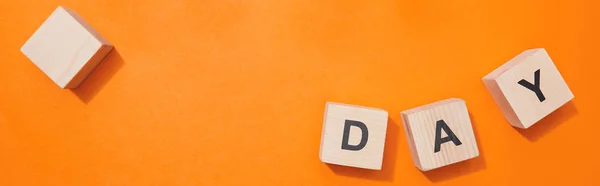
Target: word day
526,88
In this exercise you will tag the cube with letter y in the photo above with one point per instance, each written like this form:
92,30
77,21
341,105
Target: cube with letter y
66,48
528,87
439,134
353,136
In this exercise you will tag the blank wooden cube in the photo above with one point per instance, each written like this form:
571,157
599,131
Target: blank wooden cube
353,136
528,88
439,134
66,48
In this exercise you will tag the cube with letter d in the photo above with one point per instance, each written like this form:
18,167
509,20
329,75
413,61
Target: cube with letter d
353,136
439,134
528,87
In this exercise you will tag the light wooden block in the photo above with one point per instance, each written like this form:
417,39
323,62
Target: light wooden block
446,123
528,88
343,140
66,48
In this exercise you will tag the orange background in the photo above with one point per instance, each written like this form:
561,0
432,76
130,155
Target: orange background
232,92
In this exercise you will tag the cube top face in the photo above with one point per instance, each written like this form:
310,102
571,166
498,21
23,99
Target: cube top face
532,88
63,45
353,136
440,134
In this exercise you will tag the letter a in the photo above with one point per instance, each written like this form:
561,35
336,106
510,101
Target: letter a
363,140
439,125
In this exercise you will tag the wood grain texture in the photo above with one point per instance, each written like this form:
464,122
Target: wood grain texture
420,128
66,48
520,105
369,157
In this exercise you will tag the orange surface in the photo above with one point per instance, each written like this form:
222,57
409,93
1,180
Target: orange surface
232,92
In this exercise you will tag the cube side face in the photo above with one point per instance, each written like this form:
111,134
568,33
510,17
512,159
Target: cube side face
510,64
410,139
534,88
343,140
87,69
81,59
424,126
60,47
492,87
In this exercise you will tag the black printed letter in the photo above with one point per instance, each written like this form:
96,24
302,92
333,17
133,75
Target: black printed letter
439,125
346,138
535,87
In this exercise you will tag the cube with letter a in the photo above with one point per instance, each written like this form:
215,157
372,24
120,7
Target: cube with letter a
353,136
528,87
66,48
439,134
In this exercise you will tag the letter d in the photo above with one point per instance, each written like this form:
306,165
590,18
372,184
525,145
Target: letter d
363,140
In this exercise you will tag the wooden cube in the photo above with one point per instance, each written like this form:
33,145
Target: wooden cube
528,88
439,134
66,48
353,136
